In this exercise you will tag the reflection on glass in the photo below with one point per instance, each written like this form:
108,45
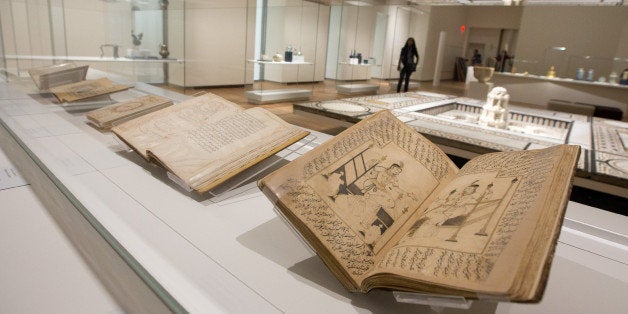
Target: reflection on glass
286,51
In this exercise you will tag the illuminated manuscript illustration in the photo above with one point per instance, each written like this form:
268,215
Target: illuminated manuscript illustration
385,208
368,189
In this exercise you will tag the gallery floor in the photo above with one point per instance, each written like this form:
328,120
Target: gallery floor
326,90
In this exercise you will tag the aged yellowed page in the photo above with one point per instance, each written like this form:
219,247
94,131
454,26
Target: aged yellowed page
86,89
156,127
114,114
491,231
349,196
207,139
209,154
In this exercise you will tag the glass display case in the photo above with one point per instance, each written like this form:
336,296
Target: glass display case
569,65
595,69
289,50
358,32
410,21
140,40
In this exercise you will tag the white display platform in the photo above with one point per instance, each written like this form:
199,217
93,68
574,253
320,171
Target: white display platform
287,72
353,71
350,89
411,85
236,255
545,89
277,95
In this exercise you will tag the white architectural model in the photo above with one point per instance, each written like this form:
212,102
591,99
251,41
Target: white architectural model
495,111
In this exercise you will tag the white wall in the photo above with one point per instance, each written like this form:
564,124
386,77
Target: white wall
622,44
90,24
321,42
488,37
86,26
419,30
26,31
216,39
333,41
176,42
399,32
584,31
8,35
494,17
379,41
448,19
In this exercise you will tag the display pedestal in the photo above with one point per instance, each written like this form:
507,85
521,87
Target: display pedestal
350,89
277,95
411,85
435,301
89,103
478,90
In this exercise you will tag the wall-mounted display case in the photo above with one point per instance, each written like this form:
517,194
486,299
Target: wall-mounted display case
289,50
357,36
141,40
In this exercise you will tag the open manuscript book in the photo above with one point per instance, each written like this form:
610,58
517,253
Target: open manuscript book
206,140
385,208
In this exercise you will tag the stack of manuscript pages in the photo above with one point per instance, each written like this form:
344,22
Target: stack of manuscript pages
115,114
57,75
86,89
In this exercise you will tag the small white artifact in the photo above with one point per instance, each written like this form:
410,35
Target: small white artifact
495,110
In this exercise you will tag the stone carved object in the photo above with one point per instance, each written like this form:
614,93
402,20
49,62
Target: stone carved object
483,74
495,111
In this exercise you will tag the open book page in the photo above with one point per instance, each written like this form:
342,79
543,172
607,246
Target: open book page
86,89
349,196
153,128
492,230
113,114
207,155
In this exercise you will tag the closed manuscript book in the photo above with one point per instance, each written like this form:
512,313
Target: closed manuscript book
108,116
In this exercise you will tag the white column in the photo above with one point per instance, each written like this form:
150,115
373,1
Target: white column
439,58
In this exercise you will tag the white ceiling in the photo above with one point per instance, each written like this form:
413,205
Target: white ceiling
486,2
